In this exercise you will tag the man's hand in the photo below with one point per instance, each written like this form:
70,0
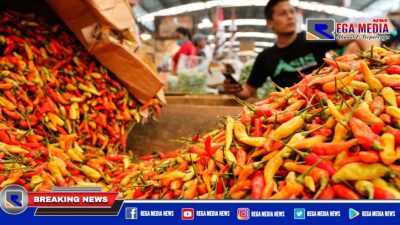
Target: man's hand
241,91
231,88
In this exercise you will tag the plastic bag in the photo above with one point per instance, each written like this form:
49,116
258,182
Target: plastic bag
192,74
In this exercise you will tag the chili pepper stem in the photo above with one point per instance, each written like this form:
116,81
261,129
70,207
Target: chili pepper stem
323,184
300,179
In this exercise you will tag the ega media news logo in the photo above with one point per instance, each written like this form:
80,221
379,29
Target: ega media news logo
328,29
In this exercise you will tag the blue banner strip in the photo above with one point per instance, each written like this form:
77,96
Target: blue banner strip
230,212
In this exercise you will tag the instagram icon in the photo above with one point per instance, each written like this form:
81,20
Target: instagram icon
243,214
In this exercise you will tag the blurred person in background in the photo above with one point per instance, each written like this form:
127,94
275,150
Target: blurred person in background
186,46
291,54
203,50
134,2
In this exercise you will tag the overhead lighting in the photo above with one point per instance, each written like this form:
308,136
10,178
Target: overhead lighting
197,6
238,22
258,43
254,35
205,23
145,36
236,49
248,35
233,49
264,44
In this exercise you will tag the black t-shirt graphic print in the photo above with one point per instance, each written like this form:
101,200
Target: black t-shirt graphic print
283,64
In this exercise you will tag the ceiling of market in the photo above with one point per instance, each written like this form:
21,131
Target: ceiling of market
152,5
250,16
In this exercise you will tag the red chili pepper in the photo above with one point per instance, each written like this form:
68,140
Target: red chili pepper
312,159
120,95
113,82
2,178
377,128
9,49
91,67
320,96
207,146
16,39
36,171
117,158
138,193
47,106
380,193
123,141
61,130
393,69
223,170
110,130
52,48
10,96
55,97
4,137
146,157
323,131
344,192
265,111
113,140
367,138
265,101
196,137
11,114
257,185
257,128
281,185
157,109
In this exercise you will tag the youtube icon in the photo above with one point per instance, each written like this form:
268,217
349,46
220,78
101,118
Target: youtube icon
187,214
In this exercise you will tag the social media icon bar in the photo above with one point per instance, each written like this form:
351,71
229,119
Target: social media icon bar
299,214
14,199
243,214
131,213
187,214
353,213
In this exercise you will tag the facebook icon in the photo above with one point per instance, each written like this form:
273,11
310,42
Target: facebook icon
131,213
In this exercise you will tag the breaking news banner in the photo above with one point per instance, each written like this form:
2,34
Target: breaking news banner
80,205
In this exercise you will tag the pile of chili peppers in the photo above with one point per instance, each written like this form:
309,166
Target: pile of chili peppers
334,135
59,108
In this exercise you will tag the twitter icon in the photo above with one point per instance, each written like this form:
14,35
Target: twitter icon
299,214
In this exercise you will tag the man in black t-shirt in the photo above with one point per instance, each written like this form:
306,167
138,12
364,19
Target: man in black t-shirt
290,54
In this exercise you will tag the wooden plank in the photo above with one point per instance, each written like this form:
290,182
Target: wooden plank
176,121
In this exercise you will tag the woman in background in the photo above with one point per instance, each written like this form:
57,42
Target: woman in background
186,46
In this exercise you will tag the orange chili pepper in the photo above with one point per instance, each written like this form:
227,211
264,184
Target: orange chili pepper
333,148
